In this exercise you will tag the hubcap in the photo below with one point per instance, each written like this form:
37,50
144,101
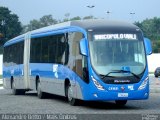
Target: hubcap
13,88
13,85
70,93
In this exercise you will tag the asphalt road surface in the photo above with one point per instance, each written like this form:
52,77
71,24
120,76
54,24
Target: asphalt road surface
31,104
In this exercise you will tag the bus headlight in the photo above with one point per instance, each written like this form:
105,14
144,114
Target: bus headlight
144,83
97,84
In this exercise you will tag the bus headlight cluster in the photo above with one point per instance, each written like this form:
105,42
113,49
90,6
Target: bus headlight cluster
97,84
144,83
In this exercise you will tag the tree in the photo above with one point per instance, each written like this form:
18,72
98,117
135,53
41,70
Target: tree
75,18
88,17
10,26
151,29
47,20
42,22
34,24
70,19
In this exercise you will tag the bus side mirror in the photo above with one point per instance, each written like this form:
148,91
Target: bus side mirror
148,46
83,47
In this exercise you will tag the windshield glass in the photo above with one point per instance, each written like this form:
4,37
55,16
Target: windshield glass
115,51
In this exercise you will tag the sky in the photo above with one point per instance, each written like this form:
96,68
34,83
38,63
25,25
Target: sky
119,9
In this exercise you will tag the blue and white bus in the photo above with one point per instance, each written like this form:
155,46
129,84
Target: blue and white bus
90,60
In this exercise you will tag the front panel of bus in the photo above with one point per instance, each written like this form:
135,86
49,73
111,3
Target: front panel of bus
118,66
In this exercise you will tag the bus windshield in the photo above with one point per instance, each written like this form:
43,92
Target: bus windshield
113,52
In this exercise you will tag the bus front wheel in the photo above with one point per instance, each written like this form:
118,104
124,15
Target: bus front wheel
121,102
40,94
72,101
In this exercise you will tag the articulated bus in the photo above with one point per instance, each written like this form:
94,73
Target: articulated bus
90,60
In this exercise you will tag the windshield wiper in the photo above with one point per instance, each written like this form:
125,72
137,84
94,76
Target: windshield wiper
107,75
120,71
124,71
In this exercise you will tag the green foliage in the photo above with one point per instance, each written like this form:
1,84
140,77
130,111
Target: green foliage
75,18
151,29
49,20
89,17
42,22
155,46
10,26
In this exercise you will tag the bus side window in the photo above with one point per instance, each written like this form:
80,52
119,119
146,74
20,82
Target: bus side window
77,62
63,49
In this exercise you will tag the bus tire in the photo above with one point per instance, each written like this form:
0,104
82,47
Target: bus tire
14,90
22,92
40,94
156,76
72,101
121,102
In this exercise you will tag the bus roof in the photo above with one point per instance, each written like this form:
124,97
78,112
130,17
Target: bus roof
103,24
92,24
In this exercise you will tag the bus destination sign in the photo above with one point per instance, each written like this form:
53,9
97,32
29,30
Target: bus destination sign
115,36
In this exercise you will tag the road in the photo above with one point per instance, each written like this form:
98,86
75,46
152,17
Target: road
30,104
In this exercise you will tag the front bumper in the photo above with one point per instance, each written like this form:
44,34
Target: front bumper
125,95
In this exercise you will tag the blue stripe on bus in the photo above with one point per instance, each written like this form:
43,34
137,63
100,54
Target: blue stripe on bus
88,90
58,31
14,40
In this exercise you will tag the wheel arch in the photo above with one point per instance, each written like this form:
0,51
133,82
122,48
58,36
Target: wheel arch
66,84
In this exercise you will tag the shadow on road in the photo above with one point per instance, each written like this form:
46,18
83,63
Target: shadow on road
87,104
48,96
109,105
